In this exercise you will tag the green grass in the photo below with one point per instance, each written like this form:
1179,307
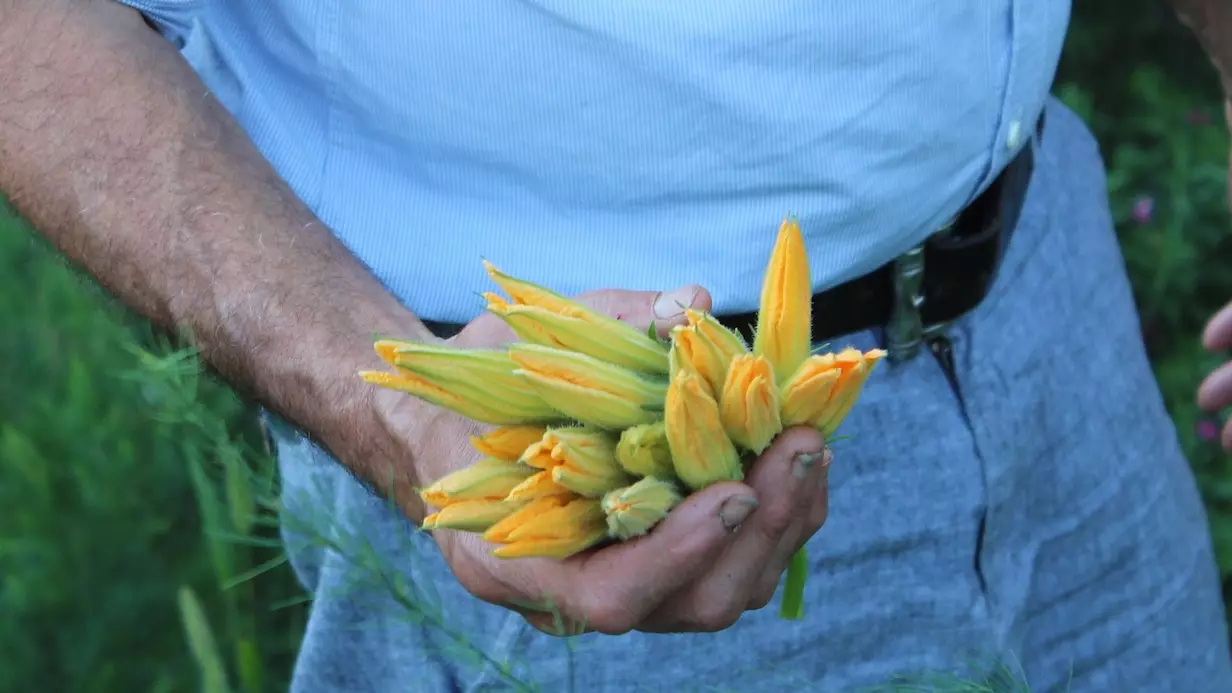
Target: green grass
138,543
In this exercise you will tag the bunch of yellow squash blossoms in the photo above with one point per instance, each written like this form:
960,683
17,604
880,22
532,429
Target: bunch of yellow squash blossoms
601,429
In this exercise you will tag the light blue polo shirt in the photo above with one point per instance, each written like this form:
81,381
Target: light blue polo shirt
638,144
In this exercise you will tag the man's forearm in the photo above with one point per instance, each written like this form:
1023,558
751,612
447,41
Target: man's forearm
110,145
1211,22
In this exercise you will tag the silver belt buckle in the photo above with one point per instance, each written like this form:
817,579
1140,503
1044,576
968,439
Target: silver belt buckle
906,330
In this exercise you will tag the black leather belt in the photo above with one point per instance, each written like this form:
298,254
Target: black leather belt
936,283
901,297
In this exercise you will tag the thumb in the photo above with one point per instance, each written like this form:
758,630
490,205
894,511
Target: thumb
641,309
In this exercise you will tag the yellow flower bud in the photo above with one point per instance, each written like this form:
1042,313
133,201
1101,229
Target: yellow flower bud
460,399
507,442
479,384
499,532
470,516
580,460
609,340
693,352
702,454
487,479
749,403
643,451
808,390
540,316
586,389
538,485
784,319
849,390
724,341
632,511
555,532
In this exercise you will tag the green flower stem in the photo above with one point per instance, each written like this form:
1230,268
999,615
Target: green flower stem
792,608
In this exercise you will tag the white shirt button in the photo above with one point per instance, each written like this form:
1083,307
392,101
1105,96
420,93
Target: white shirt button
1013,136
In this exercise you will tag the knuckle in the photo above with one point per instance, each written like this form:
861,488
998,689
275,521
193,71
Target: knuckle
774,519
609,616
763,595
716,615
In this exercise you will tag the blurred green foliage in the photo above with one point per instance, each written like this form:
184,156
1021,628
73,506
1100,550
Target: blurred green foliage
138,546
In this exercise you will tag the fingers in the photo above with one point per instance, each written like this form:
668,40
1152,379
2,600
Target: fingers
814,510
614,589
1216,391
664,309
1218,333
785,480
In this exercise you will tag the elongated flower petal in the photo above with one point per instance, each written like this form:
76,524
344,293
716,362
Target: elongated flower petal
499,532
507,442
609,340
470,516
831,419
727,343
488,371
558,523
691,351
556,532
536,486
460,400
588,390
586,537
485,479
541,316
749,403
807,392
784,320
634,510
578,459
586,484
643,451
702,454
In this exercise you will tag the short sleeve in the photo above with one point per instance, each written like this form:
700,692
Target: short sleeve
172,18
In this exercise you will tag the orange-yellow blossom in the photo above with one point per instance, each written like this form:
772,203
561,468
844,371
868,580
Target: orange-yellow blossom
693,352
578,459
727,343
848,390
536,486
784,318
486,479
588,390
808,390
643,451
824,389
507,442
470,515
479,384
702,454
552,530
749,403
634,510
541,316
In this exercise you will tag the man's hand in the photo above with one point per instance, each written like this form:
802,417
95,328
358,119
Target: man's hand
693,572
1216,391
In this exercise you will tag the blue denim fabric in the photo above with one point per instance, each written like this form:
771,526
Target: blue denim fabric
1052,522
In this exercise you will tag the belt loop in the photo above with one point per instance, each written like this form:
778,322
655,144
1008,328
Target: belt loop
905,331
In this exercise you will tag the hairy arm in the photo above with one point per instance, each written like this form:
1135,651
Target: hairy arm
111,147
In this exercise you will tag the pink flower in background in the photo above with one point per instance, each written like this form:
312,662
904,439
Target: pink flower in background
1207,430
1143,210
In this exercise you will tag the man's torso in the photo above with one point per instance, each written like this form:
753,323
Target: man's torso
639,145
